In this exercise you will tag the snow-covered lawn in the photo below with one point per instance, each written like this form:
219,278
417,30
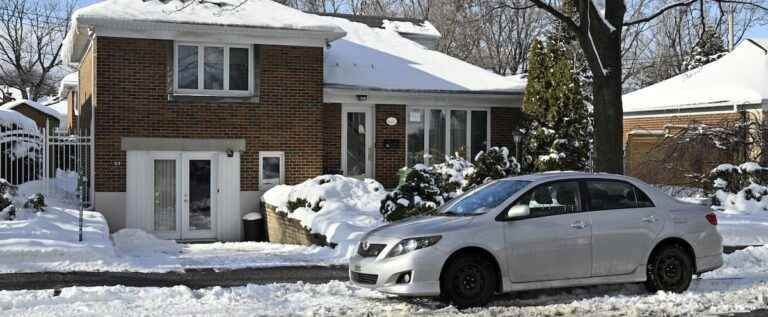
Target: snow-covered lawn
742,285
48,242
743,229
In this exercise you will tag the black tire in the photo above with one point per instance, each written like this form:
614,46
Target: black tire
669,269
468,281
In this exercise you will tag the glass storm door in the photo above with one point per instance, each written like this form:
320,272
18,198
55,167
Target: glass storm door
184,191
357,141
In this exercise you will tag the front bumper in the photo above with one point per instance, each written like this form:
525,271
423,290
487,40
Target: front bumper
424,266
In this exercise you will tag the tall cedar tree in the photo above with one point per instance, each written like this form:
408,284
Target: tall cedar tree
560,137
708,49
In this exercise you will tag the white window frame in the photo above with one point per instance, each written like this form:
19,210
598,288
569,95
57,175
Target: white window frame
426,110
201,71
281,157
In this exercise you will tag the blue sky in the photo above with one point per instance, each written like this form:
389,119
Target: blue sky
761,31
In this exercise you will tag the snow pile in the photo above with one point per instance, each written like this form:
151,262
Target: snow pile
406,27
48,241
138,243
340,208
383,59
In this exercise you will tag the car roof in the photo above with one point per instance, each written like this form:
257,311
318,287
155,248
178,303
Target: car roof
555,175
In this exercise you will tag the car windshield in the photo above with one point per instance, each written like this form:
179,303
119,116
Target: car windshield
485,198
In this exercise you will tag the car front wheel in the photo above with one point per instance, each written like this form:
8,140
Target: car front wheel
669,269
469,281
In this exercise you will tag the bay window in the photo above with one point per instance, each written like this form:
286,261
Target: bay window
434,132
219,70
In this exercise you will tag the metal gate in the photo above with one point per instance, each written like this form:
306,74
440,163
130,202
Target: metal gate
59,159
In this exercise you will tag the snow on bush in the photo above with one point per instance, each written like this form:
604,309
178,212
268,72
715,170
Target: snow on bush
427,188
740,189
420,194
340,208
492,164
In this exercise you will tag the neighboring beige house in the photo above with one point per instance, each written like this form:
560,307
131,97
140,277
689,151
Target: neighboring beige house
731,88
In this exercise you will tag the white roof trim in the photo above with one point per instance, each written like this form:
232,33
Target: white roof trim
422,98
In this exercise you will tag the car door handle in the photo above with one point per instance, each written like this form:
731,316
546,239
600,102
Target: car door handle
649,219
579,225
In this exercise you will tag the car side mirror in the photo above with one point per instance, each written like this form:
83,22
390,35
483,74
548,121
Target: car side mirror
518,211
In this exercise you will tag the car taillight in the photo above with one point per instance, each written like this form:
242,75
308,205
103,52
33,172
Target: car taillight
712,218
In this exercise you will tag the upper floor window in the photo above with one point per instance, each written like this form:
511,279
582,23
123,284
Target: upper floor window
207,69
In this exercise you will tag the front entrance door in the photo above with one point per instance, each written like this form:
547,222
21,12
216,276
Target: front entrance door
357,141
184,192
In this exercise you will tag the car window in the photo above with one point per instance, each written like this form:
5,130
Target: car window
552,199
643,201
605,195
486,198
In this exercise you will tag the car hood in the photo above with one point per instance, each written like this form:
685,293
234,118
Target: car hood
422,226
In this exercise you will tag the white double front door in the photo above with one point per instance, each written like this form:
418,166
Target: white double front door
184,195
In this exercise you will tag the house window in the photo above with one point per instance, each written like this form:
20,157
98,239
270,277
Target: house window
225,70
271,169
430,131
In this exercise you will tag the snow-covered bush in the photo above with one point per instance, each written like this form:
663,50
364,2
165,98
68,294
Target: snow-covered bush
454,172
419,195
740,189
340,208
35,201
492,164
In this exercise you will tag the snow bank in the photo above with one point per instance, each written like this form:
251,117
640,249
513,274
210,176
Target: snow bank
348,207
48,241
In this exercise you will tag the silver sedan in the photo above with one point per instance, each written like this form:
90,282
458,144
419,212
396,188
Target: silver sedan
542,231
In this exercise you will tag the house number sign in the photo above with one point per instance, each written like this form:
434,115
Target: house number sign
391,121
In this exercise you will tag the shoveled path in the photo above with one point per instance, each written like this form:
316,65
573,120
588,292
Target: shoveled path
193,278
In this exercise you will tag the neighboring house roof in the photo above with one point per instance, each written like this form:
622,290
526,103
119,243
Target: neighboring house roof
69,83
10,117
171,19
417,30
37,106
381,59
61,106
738,78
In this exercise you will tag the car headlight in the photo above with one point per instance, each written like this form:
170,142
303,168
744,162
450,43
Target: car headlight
411,244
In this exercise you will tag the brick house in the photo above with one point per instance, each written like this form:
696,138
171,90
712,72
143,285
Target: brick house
196,111
733,88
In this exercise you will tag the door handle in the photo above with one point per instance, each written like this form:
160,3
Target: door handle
649,219
579,225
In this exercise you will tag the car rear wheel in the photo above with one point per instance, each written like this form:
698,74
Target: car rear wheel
468,281
669,269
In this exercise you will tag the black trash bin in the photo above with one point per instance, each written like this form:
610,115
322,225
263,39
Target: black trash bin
253,227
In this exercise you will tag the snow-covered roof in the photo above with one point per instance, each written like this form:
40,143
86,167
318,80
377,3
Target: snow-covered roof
408,27
11,117
374,58
36,105
738,78
169,18
70,82
61,106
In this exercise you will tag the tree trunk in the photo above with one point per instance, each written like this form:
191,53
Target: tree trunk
609,126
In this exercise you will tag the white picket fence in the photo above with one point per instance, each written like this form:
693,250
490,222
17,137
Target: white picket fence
61,159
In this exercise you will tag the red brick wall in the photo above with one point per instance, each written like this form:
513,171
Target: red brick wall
332,138
131,84
389,161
